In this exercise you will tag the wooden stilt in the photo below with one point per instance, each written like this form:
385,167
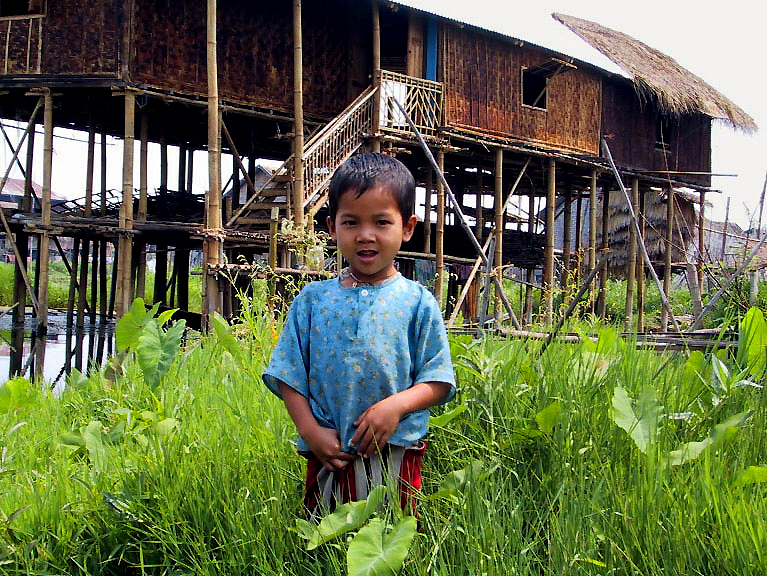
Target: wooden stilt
500,220
548,275
113,285
125,287
593,231
189,170
43,255
440,240
235,184
427,211
376,143
567,238
95,280
182,277
82,291
72,283
478,201
631,261
602,303
298,116
142,203
88,212
578,238
159,293
104,306
668,241
640,272
702,243
20,288
530,274
724,234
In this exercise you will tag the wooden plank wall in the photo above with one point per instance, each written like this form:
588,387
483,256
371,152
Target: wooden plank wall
630,126
482,76
255,45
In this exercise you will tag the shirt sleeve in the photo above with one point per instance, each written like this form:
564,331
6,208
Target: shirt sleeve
290,360
432,351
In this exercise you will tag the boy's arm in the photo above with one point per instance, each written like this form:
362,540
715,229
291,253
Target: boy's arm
323,442
377,424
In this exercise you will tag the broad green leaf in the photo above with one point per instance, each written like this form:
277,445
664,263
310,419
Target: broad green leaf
165,316
720,376
695,368
722,432
524,436
156,350
459,480
166,427
752,475
640,419
528,373
93,434
15,394
71,439
547,418
76,378
444,419
752,342
129,327
373,553
225,337
608,342
345,518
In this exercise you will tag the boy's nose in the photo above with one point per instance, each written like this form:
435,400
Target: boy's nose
365,235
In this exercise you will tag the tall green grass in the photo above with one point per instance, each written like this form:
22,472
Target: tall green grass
200,475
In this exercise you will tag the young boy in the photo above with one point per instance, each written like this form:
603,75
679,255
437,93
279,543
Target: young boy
363,356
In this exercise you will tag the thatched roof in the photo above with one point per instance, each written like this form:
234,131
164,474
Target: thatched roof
657,76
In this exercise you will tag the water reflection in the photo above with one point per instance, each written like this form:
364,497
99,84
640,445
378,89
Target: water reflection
52,357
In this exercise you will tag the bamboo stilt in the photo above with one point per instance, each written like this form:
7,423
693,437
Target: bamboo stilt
298,115
578,237
593,229
73,283
124,270
20,288
376,143
500,220
82,291
640,272
478,202
189,171
702,242
602,303
529,275
142,203
427,211
182,169
94,280
668,240
440,240
548,275
182,277
631,261
567,238
113,285
44,254
102,265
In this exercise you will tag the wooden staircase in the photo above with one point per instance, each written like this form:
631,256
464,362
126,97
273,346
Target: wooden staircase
323,153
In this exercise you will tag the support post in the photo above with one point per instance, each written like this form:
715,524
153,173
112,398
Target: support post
83,292
480,213
427,211
214,241
182,277
439,248
376,73
159,293
104,306
567,216
668,241
43,254
548,270
298,115
125,288
702,242
142,202
631,260
724,233
640,272
500,219
602,303
593,230
530,275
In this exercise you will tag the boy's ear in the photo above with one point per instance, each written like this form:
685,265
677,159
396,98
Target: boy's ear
409,227
332,227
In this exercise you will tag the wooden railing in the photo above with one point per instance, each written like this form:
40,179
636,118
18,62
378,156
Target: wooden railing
23,44
332,145
421,99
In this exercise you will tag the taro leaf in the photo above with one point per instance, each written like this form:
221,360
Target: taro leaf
165,316
528,373
226,338
76,379
166,428
752,341
547,418
345,518
156,350
720,376
695,368
458,480
14,394
752,475
373,553
641,418
444,419
722,432
607,343
525,436
131,325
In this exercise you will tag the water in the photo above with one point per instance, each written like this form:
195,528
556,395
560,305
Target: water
51,357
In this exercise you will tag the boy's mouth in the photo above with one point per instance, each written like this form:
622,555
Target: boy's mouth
366,255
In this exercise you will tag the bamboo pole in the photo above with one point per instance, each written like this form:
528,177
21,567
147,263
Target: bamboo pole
83,293
189,170
566,238
439,250
298,114
578,236
640,271
376,73
113,284
478,202
73,283
593,229
668,241
631,260
94,281
124,287
102,266
499,228
724,231
602,304
43,254
213,242
182,168
548,275
21,284
161,249
82,289
529,276
643,248
427,211
142,202
702,242
182,277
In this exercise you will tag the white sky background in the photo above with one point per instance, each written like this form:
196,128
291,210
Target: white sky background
723,46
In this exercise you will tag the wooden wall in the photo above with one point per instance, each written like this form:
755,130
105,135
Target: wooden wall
482,77
255,47
630,127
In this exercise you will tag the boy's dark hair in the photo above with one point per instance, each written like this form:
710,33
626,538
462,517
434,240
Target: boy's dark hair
373,169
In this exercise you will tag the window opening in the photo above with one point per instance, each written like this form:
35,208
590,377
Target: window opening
20,7
534,89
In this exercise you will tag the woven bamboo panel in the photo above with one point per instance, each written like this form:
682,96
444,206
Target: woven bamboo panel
81,37
482,76
21,38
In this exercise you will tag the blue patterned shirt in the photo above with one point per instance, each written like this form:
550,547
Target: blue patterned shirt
347,348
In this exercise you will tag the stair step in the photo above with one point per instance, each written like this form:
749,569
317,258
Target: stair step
266,205
282,178
271,192
252,221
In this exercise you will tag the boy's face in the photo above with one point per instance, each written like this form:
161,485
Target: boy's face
369,231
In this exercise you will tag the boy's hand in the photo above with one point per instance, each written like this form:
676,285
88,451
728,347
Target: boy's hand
326,446
376,425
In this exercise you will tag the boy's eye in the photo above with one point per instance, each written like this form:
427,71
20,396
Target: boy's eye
384,222
348,222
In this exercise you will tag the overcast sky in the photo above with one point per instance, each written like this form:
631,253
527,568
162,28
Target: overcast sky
724,47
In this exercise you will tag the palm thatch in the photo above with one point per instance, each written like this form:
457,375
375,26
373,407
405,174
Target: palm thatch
684,228
657,76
